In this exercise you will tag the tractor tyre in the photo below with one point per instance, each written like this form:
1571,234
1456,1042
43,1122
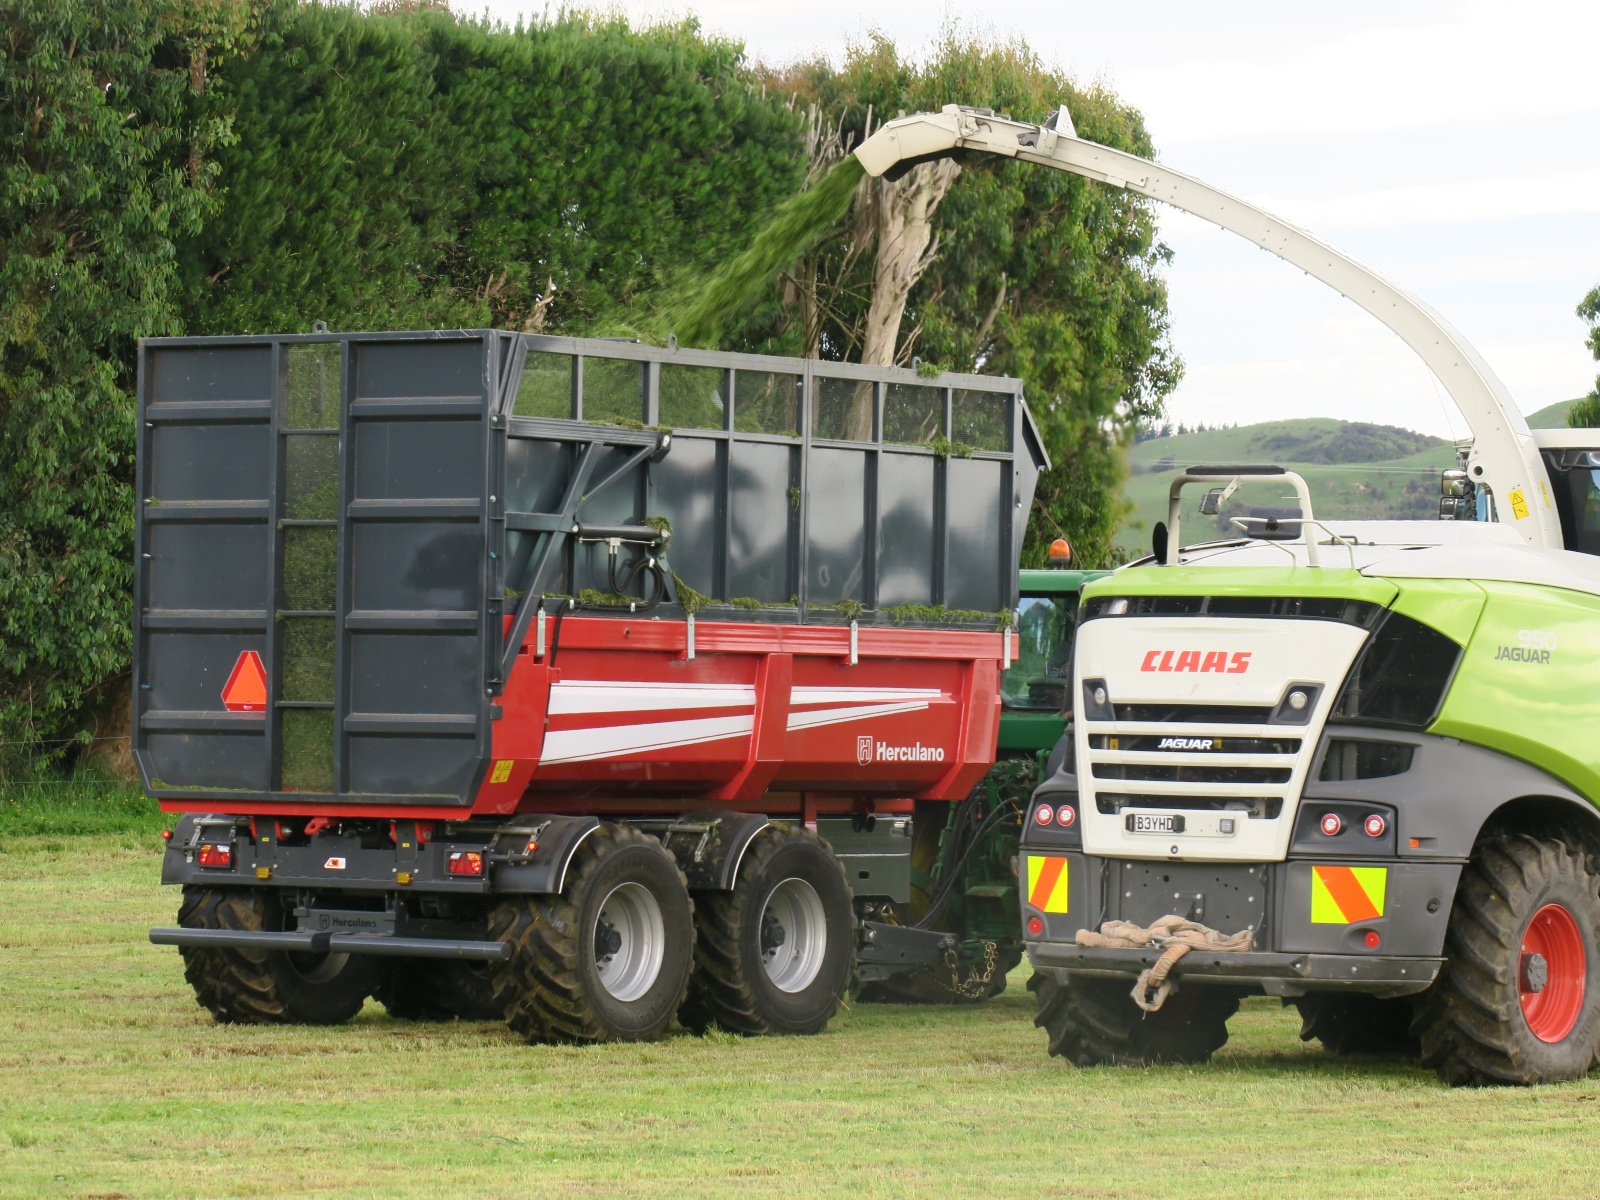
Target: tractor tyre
431,989
775,954
1092,1021
1358,1024
606,960
1518,1000
245,986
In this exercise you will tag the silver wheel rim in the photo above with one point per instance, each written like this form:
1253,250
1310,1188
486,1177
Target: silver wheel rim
629,939
794,935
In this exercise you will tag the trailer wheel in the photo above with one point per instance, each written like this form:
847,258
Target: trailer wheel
243,986
776,954
1518,1001
606,960
431,989
1092,1021
1358,1024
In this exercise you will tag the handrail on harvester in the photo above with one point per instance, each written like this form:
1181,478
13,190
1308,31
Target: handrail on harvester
1503,455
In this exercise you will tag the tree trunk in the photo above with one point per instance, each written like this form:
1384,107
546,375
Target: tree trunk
898,218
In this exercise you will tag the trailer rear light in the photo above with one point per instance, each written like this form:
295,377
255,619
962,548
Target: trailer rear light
1375,825
1372,939
1066,815
465,862
215,854
1044,814
1330,824
166,835
1035,926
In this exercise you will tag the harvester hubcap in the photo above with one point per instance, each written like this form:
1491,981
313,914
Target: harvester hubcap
629,941
1552,974
794,935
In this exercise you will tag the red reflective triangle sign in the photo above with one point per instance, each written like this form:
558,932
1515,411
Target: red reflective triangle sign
246,689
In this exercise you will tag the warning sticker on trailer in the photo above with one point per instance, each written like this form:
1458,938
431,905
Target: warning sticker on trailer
1346,895
1047,883
1519,503
502,771
246,689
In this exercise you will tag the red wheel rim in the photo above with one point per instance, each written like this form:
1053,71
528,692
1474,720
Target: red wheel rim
1553,935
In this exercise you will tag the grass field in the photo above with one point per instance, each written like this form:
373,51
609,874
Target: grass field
117,1085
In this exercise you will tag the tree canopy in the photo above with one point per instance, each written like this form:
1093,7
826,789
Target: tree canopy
238,166
1586,412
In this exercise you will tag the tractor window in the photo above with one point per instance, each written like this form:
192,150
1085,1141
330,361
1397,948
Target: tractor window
1039,680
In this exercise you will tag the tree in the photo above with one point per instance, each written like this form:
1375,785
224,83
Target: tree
1586,412
1038,274
104,160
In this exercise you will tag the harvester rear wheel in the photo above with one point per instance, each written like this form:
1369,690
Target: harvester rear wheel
774,955
1518,1001
606,960
1358,1024
244,986
1095,1021
431,989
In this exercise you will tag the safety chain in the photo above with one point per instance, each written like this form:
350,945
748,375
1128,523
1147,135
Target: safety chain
975,986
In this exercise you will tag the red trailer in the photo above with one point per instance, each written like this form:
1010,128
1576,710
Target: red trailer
581,683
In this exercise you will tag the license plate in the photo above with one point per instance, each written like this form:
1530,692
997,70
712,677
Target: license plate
1154,823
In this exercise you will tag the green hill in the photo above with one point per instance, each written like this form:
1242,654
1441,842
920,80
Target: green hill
1353,469
1553,416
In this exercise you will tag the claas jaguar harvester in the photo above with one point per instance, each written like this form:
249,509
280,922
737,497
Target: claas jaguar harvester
1353,765
580,683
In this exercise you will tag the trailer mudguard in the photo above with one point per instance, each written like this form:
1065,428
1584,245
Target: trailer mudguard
709,845
541,871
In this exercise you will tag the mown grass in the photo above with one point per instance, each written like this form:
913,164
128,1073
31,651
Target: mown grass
117,1084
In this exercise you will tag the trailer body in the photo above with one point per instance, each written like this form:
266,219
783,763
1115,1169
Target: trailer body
421,616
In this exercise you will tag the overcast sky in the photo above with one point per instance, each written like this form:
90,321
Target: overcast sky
1453,146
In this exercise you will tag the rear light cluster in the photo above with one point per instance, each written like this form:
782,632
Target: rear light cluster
1047,814
465,862
1374,825
218,855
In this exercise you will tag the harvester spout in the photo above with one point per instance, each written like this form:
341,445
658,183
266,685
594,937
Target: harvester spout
1504,456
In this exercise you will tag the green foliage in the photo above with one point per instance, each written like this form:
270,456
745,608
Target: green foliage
104,160
1039,274
719,301
86,802
229,166
688,599
344,186
1585,414
938,614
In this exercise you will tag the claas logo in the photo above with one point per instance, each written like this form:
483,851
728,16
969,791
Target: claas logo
1216,662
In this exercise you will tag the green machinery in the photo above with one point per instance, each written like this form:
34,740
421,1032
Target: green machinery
963,863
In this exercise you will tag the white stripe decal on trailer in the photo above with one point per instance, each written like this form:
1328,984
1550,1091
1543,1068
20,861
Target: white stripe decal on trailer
579,696
848,695
838,716
582,745
604,696
616,741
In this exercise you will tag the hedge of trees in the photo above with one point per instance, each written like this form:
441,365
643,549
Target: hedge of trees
237,166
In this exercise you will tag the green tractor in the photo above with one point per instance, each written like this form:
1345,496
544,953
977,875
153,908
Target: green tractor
963,877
